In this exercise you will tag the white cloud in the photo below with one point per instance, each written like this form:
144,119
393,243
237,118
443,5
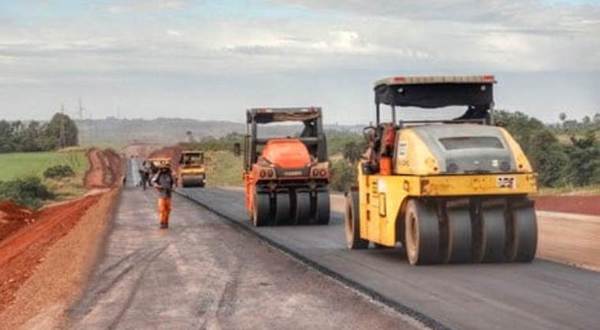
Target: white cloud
123,7
174,33
379,37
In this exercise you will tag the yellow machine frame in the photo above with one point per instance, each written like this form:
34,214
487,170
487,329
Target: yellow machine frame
382,198
191,170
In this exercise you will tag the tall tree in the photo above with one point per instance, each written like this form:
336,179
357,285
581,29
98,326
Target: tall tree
63,130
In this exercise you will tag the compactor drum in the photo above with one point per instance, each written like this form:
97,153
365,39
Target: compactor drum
191,171
286,178
449,191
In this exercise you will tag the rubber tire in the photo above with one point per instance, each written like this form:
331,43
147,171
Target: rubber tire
302,209
322,212
525,235
282,208
261,215
422,233
459,235
352,223
493,230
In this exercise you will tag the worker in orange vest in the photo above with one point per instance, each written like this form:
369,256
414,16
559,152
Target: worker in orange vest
163,182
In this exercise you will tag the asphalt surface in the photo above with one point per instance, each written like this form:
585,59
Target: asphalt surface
540,295
206,273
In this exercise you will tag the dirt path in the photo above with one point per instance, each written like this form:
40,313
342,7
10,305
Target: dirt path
105,169
573,240
204,273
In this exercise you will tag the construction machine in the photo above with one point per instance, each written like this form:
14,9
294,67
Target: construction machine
286,178
449,191
158,162
191,171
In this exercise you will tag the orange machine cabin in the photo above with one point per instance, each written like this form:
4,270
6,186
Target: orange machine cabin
286,153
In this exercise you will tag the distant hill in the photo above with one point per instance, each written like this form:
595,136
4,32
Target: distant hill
171,130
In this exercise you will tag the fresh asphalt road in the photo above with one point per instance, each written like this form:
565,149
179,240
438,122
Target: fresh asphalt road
206,273
540,295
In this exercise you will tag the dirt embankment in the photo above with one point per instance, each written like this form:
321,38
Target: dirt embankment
169,152
581,204
28,239
13,217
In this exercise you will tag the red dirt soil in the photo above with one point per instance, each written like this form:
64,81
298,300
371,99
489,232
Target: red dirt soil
22,251
13,217
170,152
588,204
105,169
25,236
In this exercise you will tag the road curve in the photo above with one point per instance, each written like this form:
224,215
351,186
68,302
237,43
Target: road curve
540,295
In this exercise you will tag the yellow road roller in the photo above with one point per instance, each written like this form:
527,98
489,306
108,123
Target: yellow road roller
191,171
448,191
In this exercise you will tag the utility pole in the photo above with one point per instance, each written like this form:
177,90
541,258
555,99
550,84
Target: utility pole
80,109
61,139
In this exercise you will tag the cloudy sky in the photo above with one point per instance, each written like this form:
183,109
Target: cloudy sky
212,59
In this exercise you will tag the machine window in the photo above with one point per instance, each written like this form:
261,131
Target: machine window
471,142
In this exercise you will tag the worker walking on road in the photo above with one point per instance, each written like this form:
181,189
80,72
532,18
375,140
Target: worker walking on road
163,182
145,173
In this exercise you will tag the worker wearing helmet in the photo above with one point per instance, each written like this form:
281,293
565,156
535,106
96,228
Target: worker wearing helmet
163,182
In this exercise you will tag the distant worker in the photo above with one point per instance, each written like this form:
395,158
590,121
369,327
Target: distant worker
144,174
163,182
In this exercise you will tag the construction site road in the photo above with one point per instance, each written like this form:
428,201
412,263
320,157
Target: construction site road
206,273
538,295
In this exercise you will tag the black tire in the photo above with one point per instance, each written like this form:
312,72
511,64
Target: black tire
352,223
282,208
493,234
322,213
262,210
523,240
422,233
302,208
459,235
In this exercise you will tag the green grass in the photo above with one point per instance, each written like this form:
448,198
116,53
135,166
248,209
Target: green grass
19,165
223,169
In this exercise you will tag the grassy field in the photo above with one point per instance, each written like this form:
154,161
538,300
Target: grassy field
18,165
223,169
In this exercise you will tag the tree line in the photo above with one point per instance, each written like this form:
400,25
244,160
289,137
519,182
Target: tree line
564,154
17,136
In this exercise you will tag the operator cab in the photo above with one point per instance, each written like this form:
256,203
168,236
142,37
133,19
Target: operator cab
451,142
191,158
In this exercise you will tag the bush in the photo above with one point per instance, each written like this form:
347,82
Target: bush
58,171
584,160
548,157
29,191
343,175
